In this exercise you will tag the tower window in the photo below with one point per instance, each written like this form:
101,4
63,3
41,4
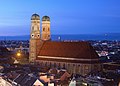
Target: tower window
43,29
38,27
32,27
48,29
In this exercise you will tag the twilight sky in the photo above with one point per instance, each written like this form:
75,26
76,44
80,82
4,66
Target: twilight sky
67,16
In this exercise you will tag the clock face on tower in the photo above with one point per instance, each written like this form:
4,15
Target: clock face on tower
38,35
32,35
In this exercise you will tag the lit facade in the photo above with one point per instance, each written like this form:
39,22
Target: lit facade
34,37
76,57
45,28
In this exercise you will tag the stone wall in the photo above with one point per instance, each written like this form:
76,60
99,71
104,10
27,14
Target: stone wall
72,68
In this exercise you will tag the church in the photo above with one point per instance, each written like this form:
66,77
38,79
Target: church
75,57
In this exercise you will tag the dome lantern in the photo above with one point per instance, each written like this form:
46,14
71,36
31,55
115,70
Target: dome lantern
35,17
45,18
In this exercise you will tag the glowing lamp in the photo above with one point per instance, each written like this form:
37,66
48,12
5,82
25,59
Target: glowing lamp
18,54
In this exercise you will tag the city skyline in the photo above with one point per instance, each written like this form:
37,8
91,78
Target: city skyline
67,17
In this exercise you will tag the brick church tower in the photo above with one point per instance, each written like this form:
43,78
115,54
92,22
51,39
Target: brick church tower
34,37
45,28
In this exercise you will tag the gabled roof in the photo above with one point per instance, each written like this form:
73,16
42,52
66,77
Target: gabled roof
37,83
72,50
27,80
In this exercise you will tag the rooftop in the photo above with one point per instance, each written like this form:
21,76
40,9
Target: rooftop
69,51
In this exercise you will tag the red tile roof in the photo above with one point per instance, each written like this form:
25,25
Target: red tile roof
79,50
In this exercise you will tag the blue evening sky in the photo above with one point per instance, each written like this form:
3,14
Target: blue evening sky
67,16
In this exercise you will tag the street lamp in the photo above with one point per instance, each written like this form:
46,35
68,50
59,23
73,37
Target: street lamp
18,57
18,54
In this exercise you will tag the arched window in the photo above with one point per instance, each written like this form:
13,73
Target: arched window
37,27
48,29
45,64
48,36
43,29
50,64
59,65
64,66
54,64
